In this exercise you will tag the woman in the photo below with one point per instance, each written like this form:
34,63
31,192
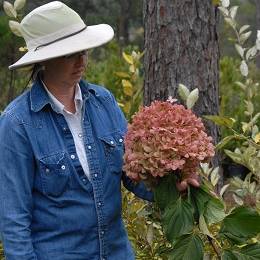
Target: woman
62,148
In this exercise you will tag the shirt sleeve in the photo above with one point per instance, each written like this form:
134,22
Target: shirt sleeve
16,182
139,189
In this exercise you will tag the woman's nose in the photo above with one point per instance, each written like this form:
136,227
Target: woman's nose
81,59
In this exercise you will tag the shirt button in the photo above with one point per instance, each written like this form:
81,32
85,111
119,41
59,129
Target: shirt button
72,157
99,204
95,175
47,170
112,142
102,232
84,180
80,135
64,129
89,147
120,140
63,167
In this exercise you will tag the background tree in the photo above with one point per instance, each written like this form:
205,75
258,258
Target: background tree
181,46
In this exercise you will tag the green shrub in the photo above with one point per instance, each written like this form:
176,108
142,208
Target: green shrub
1,252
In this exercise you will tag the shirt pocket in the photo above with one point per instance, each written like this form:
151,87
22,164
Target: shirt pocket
54,174
114,150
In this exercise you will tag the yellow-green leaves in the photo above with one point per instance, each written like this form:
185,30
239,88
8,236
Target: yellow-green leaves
183,91
257,138
128,58
244,68
192,98
15,28
221,120
19,4
233,11
225,3
131,83
215,2
240,50
127,87
9,9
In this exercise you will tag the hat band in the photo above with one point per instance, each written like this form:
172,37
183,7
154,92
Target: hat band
61,38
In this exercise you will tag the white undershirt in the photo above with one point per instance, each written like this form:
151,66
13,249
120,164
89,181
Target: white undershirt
75,125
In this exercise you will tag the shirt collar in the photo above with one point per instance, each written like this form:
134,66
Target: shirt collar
39,97
58,106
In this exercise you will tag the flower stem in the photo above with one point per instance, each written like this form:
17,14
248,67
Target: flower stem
215,247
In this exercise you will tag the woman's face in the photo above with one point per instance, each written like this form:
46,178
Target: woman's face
67,70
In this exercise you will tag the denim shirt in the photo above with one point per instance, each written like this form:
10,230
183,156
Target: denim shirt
48,207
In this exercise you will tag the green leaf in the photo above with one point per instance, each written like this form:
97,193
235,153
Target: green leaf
192,98
250,107
178,219
9,9
214,176
127,87
225,3
224,10
166,191
122,74
233,11
15,28
244,68
250,252
204,227
244,28
207,204
221,120
225,141
128,58
215,2
238,158
199,198
240,50
231,22
241,224
19,4
183,91
251,52
244,37
228,255
187,247
215,211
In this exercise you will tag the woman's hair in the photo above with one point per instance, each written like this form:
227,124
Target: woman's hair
35,72
37,68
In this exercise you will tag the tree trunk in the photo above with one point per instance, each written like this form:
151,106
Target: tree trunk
181,46
123,21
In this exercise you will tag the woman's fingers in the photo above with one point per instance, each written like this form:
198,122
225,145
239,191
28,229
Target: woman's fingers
192,180
181,186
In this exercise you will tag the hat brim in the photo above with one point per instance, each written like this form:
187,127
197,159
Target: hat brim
92,36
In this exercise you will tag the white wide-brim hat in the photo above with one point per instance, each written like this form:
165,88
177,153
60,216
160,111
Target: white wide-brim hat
54,30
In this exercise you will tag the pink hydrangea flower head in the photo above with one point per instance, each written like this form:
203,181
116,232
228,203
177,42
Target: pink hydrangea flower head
165,137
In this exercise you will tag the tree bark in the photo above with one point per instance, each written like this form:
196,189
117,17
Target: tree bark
181,46
123,21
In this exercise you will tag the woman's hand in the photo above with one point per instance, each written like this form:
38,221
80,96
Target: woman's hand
191,179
